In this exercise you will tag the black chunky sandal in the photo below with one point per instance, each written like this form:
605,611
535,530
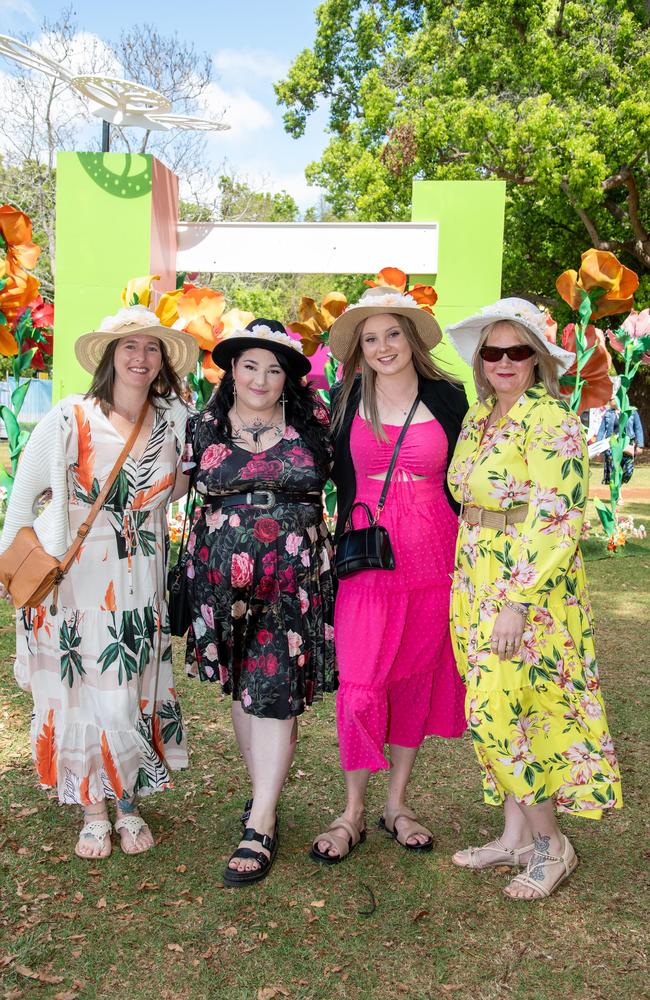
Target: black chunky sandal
233,878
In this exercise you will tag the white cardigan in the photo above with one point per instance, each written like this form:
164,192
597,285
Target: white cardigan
44,465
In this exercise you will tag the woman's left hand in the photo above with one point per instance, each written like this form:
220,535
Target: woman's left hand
507,632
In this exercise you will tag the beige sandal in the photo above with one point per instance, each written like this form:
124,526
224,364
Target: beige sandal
134,825
538,875
99,830
414,828
337,841
512,857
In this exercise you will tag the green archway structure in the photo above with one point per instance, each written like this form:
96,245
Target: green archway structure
117,219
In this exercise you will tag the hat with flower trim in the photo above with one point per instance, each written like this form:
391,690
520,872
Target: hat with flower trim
182,349
373,302
466,334
267,334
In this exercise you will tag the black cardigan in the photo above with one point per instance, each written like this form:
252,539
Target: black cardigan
447,403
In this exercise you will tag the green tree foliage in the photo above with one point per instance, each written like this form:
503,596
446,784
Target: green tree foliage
551,95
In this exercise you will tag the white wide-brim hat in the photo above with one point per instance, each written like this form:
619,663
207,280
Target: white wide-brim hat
466,334
373,302
182,349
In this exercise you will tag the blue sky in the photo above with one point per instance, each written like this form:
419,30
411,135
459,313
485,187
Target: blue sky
252,43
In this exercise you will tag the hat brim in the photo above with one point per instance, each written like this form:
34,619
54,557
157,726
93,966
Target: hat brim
341,341
182,349
466,334
227,348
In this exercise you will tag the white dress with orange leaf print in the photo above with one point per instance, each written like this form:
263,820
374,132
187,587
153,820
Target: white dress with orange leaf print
106,720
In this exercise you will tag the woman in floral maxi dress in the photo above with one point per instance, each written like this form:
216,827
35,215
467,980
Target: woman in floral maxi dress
259,573
97,657
521,616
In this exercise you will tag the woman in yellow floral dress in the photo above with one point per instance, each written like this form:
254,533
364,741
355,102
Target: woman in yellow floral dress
521,618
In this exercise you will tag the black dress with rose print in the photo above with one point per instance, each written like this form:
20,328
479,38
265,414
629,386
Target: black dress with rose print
259,580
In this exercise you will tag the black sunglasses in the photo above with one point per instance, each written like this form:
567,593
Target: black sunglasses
516,352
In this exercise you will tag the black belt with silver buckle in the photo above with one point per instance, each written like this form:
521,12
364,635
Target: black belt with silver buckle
260,498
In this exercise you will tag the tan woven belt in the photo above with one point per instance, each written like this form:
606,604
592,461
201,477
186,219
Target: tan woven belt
497,519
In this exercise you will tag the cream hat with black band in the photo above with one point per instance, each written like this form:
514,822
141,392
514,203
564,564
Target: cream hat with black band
182,349
373,302
466,334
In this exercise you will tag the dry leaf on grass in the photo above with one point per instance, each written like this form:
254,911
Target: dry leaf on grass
66,995
318,903
270,992
41,977
6,960
101,903
174,947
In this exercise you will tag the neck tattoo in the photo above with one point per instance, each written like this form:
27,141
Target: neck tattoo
256,429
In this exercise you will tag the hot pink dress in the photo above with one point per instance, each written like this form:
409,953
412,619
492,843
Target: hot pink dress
398,676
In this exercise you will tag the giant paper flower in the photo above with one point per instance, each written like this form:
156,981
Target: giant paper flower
599,269
18,291
597,388
235,319
636,326
392,277
316,319
199,312
138,291
16,234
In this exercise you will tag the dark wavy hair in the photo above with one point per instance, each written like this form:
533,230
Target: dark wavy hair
166,383
302,402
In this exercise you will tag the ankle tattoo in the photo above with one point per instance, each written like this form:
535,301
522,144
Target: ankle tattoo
127,806
541,844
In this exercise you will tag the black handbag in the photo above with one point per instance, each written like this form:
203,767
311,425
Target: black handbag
370,548
180,613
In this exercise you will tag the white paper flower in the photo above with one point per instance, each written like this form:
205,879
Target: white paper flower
129,316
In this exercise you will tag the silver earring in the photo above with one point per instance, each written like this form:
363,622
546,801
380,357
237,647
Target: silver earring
234,391
283,401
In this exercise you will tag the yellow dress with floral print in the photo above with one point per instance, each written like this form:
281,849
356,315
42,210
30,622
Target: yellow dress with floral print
537,720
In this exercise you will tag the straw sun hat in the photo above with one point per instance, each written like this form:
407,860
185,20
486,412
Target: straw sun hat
373,302
466,334
182,349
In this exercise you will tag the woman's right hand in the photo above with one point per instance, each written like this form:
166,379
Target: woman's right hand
5,595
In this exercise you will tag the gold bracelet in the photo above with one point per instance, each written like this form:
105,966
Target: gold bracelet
519,608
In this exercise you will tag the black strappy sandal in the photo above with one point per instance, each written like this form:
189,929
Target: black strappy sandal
233,878
246,814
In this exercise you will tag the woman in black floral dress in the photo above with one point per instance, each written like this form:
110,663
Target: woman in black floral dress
259,569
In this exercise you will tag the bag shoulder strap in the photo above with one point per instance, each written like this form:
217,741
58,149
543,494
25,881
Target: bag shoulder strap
84,528
391,467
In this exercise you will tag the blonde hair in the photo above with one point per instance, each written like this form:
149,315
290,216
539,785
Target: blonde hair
355,362
547,368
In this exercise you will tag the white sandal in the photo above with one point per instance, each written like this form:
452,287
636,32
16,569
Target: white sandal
512,859
134,825
99,830
538,873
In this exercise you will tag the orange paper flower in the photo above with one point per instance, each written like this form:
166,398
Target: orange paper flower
390,277
315,320
235,319
600,269
425,296
16,230
597,390
200,309
211,371
20,289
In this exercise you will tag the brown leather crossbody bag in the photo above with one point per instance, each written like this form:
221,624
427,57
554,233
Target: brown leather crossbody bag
27,571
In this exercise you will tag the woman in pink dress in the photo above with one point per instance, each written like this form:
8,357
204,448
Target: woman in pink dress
398,680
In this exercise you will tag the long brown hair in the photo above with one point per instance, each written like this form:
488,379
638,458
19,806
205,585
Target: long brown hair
166,383
546,366
422,362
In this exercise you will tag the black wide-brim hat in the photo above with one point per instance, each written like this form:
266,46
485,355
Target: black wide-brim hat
267,334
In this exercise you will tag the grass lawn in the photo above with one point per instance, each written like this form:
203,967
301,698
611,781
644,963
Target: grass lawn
384,924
